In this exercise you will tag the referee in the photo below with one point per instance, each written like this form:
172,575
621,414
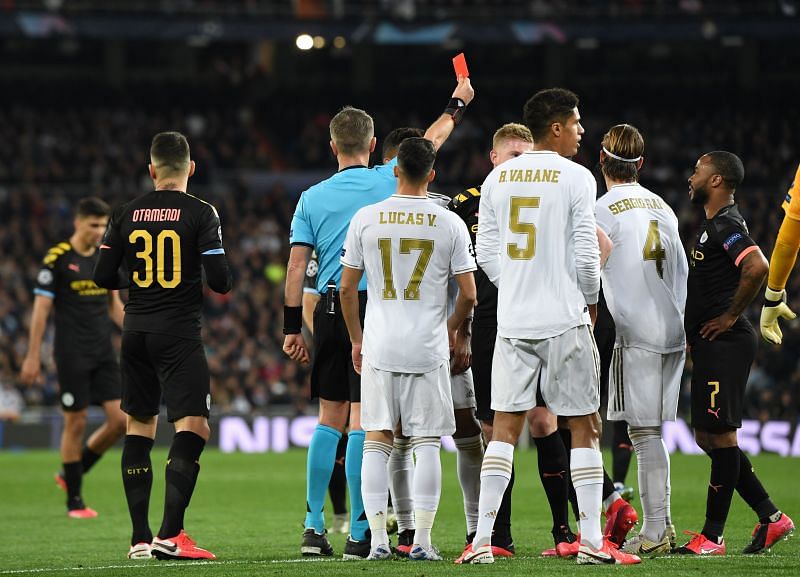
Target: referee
320,223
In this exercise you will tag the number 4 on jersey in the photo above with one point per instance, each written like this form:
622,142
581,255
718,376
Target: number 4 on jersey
653,250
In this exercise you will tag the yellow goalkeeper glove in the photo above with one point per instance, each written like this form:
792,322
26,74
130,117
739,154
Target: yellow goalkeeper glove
774,308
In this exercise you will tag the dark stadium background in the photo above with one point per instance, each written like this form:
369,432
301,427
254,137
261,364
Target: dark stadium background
85,84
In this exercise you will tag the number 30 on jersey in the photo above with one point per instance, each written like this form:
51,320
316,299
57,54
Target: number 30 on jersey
146,254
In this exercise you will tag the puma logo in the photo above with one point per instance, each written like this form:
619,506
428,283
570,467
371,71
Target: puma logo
560,475
715,487
715,413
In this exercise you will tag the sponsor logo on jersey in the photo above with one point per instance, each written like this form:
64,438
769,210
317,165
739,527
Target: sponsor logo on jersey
732,240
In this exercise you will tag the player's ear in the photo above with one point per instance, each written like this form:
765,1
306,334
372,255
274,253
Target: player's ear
602,156
640,163
152,170
431,175
192,166
372,143
334,149
555,129
396,171
493,157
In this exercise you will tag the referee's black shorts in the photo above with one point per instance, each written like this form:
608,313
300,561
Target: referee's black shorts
719,377
333,377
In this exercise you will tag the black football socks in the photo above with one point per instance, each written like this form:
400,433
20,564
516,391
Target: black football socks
724,478
137,478
73,475
554,473
183,466
753,492
621,452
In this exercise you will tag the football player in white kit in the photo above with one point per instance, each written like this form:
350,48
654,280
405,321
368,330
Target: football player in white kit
537,242
409,247
644,280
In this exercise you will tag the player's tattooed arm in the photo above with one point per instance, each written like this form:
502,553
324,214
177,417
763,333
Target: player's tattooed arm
754,272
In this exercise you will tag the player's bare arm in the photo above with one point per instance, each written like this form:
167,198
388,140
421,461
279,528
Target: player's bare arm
116,310
440,130
32,365
293,344
754,272
310,301
462,353
348,297
465,302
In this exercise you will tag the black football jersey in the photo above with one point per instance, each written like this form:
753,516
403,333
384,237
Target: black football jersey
161,237
82,321
466,206
722,243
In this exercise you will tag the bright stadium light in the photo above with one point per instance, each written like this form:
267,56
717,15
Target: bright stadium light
304,42
339,42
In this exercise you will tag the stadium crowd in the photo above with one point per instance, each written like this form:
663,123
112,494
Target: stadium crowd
50,158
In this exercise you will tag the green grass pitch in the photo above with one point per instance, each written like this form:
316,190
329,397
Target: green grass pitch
248,509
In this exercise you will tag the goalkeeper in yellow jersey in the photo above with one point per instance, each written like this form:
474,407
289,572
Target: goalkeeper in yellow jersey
783,258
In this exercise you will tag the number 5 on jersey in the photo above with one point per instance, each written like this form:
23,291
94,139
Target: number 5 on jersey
146,254
517,226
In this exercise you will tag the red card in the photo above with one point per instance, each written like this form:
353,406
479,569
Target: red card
460,65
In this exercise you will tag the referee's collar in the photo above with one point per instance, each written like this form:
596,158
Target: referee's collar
351,167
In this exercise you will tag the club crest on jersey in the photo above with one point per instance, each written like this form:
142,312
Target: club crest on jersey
704,237
45,277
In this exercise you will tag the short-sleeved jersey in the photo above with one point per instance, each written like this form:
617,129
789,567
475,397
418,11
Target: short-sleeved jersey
82,322
644,279
791,204
161,237
722,244
467,206
325,210
409,247
537,241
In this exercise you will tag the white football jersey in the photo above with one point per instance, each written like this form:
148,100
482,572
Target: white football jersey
408,247
452,286
644,279
537,241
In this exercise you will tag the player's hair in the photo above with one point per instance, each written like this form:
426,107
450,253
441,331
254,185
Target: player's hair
169,152
351,130
728,166
92,206
415,159
626,143
511,131
546,107
392,142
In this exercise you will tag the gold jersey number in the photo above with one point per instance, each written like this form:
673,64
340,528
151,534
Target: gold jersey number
425,248
653,249
515,225
146,254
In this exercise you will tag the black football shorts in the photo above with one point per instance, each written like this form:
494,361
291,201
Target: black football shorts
85,381
155,364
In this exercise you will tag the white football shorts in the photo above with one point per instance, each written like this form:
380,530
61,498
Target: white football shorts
462,388
423,402
565,369
643,386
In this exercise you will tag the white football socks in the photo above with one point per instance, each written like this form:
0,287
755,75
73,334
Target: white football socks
586,469
469,460
401,483
375,489
495,476
427,486
653,468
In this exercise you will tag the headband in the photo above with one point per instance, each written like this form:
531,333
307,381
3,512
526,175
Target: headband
615,157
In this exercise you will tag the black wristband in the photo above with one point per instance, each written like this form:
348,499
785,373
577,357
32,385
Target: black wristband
455,109
292,320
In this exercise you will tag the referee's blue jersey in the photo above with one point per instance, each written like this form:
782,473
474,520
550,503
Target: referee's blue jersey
324,211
